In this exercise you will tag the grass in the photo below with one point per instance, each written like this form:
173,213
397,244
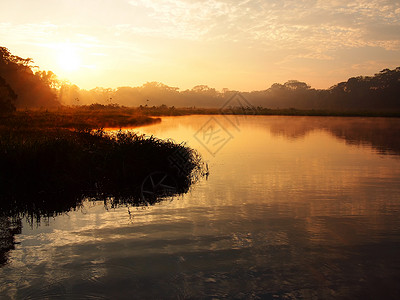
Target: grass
172,111
51,161
50,171
76,118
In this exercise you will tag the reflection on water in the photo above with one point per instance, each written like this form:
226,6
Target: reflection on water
379,133
8,228
294,208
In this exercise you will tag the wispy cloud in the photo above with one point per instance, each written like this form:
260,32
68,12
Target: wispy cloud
312,26
315,26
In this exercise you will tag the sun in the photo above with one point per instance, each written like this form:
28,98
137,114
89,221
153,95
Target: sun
68,57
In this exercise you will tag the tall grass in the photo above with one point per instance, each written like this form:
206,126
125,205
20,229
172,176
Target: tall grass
45,172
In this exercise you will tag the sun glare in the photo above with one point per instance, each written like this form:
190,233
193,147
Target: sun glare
68,58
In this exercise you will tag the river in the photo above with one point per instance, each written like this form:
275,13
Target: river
292,208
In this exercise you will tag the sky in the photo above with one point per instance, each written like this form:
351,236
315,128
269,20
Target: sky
241,45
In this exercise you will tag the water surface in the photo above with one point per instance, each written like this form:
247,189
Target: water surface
293,208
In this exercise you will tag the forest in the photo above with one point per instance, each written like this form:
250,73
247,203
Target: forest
24,86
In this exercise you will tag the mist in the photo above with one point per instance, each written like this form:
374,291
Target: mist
375,93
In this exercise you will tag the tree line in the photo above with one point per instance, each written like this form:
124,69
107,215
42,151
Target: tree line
21,87
374,93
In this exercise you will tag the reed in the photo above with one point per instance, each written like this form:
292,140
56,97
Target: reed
49,171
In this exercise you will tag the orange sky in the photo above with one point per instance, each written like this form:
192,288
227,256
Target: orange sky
244,45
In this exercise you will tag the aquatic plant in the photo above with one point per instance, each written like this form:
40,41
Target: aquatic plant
45,172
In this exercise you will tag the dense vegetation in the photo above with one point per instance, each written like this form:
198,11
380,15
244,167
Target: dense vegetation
48,173
21,87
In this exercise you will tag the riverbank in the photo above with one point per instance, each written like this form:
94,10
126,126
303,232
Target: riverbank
75,119
50,171
50,161
261,111
98,116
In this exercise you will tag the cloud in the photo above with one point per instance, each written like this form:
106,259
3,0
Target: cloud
179,19
318,26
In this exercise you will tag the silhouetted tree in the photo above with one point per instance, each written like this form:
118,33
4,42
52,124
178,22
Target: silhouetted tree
296,85
7,97
49,78
32,90
379,92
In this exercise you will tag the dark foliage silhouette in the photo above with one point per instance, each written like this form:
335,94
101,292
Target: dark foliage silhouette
32,90
364,93
379,92
7,97
45,173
